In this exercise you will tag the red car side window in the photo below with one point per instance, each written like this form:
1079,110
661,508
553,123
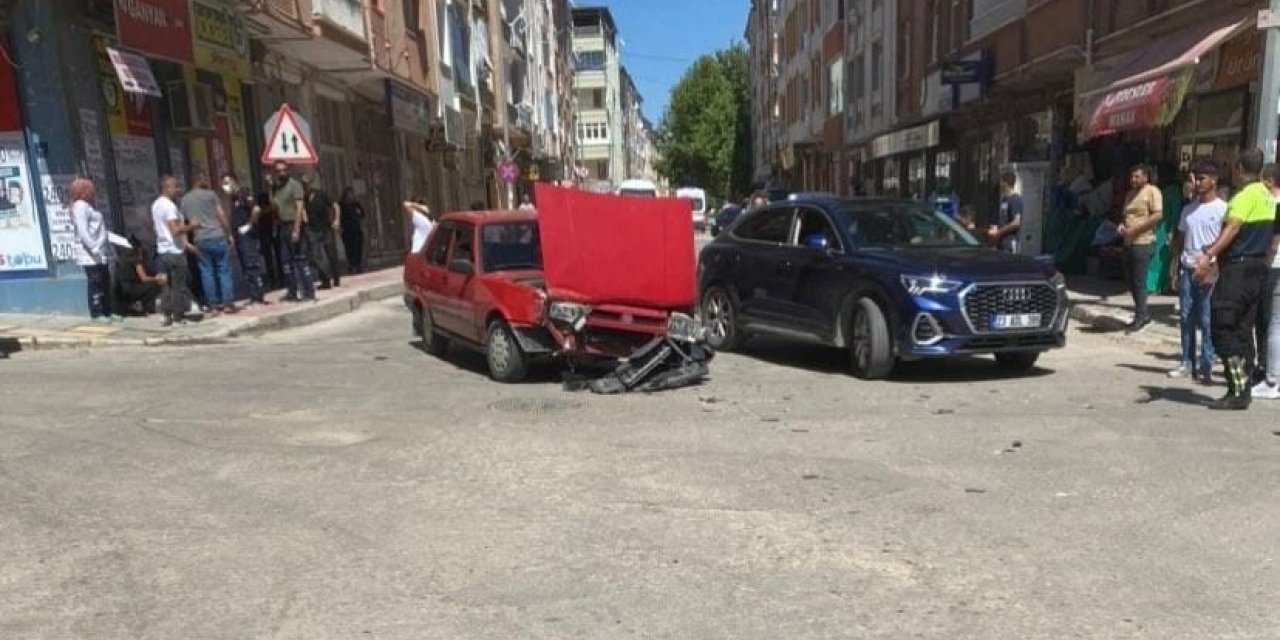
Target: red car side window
438,251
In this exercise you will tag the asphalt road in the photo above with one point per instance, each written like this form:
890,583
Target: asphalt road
335,482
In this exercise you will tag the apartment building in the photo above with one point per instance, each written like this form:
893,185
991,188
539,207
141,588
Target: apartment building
597,87
762,36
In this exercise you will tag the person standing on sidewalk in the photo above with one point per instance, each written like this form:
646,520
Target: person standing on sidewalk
93,250
245,214
171,246
1198,227
352,229
323,220
1143,210
419,215
287,196
1268,328
1240,257
1004,234
214,243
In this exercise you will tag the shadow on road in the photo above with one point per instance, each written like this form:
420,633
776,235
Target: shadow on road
1174,394
473,362
832,361
1142,368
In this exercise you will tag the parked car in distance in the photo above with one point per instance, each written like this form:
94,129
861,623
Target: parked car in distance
724,217
889,280
638,189
490,281
697,199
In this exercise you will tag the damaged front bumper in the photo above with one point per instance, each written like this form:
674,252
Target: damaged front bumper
678,359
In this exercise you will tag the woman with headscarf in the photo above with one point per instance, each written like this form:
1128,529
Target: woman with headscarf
92,249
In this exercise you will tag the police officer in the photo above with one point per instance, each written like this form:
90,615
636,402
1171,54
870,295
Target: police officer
1239,256
245,214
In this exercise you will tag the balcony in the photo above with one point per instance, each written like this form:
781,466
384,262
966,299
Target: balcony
345,14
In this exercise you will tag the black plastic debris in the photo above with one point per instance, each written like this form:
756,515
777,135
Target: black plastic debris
660,365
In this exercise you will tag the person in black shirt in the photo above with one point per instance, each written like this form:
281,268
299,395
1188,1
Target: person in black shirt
137,283
323,219
245,213
352,229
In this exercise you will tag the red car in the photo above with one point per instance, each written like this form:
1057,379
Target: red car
587,276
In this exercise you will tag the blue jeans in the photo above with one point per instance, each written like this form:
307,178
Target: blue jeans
215,271
1194,314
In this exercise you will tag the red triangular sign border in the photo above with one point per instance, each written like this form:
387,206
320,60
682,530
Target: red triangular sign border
286,112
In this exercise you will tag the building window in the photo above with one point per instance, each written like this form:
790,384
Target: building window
858,77
443,34
835,96
593,132
412,17
904,49
589,61
877,65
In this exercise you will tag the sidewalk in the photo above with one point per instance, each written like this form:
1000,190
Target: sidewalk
1107,306
22,332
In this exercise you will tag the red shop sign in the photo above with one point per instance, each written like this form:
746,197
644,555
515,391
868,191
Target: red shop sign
159,28
1136,106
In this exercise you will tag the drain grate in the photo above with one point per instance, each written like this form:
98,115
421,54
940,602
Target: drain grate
533,405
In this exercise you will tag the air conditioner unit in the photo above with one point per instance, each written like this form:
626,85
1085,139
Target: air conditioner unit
190,106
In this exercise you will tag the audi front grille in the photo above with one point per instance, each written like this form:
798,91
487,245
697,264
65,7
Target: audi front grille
983,302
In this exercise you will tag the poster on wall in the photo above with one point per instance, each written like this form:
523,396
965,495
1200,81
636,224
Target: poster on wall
95,162
57,208
21,233
178,164
137,174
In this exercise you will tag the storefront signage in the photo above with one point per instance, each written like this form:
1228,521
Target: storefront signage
1153,103
221,40
1238,62
138,176
407,109
961,72
160,28
21,233
57,208
134,73
10,117
907,140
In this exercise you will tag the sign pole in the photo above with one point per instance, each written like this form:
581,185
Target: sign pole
1268,118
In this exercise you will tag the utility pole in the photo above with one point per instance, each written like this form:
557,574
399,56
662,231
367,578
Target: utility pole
1268,127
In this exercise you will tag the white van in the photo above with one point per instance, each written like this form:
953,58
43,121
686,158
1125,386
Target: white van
638,189
697,204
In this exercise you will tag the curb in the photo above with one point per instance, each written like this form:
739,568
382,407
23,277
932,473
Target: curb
297,317
1090,315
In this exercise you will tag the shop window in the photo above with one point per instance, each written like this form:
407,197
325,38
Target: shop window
892,182
835,96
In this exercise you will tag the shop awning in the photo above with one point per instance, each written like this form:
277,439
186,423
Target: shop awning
134,73
1146,89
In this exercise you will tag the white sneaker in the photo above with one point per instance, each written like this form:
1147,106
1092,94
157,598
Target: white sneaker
1266,390
1181,372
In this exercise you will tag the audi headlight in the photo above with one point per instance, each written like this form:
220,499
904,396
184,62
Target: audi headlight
684,328
1058,281
570,313
930,285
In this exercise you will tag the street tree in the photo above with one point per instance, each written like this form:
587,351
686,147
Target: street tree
705,135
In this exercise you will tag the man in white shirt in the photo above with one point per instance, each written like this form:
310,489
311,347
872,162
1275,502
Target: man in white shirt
171,246
420,218
1199,227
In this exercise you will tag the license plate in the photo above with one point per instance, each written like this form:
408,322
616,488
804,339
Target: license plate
1016,321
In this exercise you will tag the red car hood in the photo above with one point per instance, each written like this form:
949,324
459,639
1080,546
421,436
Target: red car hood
603,249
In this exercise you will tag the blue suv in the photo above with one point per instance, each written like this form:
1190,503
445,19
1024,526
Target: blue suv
889,280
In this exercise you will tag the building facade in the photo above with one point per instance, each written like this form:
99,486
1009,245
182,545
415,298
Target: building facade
402,99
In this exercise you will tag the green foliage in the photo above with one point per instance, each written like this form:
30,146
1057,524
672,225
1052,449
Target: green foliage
705,135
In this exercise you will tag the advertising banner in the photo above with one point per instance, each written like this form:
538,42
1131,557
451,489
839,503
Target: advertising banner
57,208
21,233
221,40
159,28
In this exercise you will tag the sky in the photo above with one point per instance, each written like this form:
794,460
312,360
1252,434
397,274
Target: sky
662,38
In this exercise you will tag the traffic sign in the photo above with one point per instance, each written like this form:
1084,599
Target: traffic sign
289,140
508,171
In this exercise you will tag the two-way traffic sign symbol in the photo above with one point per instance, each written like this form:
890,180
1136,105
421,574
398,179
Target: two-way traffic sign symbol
288,139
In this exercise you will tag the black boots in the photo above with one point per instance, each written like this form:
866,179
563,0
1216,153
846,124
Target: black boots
1239,394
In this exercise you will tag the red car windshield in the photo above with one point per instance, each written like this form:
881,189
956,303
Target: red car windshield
512,246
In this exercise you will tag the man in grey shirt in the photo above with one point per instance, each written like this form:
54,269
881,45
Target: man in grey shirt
214,242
